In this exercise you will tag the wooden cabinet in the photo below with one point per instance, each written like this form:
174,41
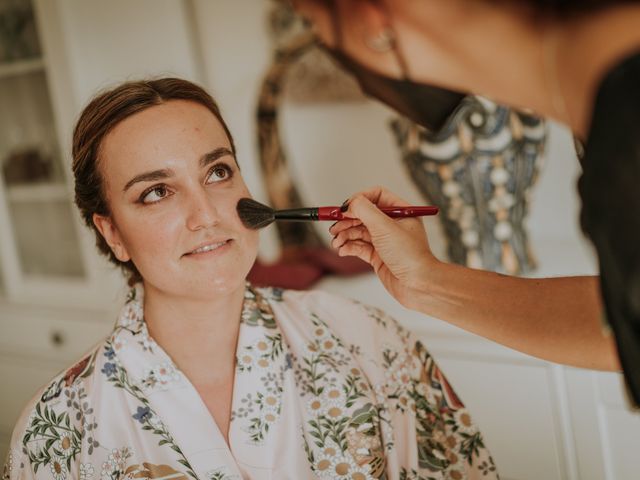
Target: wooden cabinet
39,240
45,254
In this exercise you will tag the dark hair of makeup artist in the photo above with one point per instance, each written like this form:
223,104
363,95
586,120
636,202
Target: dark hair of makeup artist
98,118
565,7
550,7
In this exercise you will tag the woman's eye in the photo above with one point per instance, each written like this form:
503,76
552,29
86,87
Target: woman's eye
154,195
219,173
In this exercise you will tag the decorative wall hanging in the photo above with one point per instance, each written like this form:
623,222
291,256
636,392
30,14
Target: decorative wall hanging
479,169
313,77
305,258
280,186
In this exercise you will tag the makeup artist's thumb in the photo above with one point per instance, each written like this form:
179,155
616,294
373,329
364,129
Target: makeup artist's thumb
378,224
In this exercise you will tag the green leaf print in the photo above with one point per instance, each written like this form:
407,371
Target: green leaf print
46,425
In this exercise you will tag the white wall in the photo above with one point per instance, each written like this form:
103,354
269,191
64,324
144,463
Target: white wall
117,40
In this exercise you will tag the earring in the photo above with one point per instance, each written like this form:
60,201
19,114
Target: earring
382,42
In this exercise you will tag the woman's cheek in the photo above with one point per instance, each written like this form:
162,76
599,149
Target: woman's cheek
155,233
254,240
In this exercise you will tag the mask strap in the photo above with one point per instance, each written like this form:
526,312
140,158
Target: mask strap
393,38
402,63
335,24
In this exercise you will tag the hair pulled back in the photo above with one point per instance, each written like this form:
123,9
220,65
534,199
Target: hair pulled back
98,118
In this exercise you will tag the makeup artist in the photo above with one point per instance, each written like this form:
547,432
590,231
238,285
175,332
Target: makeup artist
577,62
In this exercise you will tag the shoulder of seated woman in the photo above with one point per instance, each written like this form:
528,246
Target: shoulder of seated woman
63,393
345,316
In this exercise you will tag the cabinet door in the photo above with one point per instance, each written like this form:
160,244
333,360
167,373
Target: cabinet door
39,240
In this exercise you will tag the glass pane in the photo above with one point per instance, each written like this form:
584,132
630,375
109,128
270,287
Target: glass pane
40,209
28,145
45,236
18,35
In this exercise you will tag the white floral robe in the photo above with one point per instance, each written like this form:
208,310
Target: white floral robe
324,388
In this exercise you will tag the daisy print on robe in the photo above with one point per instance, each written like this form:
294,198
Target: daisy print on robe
325,388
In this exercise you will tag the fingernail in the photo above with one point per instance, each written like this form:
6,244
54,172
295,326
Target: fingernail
332,225
345,205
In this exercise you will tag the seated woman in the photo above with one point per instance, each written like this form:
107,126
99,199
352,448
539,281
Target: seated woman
204,376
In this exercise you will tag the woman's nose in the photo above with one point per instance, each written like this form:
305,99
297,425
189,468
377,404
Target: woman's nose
201,213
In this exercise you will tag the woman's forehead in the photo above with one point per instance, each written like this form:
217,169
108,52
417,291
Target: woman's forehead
176,129
181,118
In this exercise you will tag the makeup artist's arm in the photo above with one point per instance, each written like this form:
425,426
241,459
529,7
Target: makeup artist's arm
556,319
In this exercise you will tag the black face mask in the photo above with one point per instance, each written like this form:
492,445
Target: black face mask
425,105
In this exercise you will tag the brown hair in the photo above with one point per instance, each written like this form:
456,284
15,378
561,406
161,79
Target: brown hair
98,118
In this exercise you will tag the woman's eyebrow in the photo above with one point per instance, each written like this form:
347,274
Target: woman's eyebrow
205,160
148,177
214,155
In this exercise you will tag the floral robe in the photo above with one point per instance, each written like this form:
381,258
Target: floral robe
324,388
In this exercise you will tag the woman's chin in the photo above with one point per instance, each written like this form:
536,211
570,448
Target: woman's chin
214,288
198,287
223,285
201,279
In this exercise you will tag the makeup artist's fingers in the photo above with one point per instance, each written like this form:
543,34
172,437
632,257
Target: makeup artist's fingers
363,250
368,213
401,244
357,248
381,197
385,231
354,233
341,225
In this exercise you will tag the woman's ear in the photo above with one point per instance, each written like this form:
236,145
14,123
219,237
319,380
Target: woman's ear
372,13
110,233
372,16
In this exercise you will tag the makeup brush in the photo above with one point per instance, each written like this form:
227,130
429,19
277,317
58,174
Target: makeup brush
255,215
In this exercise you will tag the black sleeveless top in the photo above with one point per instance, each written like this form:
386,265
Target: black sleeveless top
610,191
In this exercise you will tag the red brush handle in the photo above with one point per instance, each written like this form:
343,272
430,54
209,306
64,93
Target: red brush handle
335,213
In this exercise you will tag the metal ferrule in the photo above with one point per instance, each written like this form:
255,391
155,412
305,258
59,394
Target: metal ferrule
297,214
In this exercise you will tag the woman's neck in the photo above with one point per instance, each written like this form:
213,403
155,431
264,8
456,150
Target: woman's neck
197,333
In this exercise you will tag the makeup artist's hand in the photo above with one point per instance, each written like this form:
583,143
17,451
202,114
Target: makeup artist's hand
398,250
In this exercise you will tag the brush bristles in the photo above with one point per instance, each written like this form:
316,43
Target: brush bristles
254,215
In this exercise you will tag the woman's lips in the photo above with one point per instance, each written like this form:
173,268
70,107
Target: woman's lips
213,247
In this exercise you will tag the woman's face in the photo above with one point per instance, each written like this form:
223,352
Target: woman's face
172,185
